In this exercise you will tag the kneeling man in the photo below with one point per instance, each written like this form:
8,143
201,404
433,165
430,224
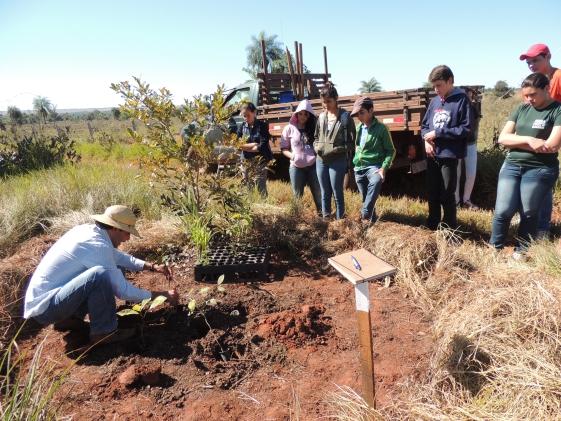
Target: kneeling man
81,274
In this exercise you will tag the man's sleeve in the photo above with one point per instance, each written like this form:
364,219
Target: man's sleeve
463,129
389,148
127,261
425,125
104,256
264,137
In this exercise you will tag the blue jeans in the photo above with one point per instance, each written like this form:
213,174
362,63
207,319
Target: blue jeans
369,184
520,189
90,292
544,218
331,176
300,177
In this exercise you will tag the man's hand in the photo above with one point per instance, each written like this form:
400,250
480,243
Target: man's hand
171,295
166,270
429,148
382,173
430,136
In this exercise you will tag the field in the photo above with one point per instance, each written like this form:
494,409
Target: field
461,331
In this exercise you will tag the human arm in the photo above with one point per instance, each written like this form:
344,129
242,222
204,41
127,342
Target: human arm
285,142
510,140
389,150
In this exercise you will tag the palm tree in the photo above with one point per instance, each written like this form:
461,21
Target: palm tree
371,85
276,56
42,106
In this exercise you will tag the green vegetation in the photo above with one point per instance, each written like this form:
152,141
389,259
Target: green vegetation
28,201
370,85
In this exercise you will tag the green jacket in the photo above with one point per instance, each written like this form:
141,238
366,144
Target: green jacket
378,149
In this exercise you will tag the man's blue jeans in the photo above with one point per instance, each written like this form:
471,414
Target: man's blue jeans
300,177
521,189
331,176
369,184
90,292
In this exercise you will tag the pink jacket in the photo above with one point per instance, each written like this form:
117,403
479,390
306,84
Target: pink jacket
302,155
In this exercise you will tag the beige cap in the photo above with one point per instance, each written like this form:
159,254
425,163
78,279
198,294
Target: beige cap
118,216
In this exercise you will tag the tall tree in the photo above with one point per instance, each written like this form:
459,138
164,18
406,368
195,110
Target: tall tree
15,115
274,50
42,106
371,85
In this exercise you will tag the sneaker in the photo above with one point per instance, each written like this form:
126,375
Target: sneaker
469,205
519,256
118,335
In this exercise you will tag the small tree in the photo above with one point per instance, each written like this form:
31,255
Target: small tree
42,106
502,89
371,85
15,115
427,85
207,204
116,113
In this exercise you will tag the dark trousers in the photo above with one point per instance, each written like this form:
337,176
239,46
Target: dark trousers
442,178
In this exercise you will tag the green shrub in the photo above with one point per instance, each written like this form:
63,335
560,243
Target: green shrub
35,151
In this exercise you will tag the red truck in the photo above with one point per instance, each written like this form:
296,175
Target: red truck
277,95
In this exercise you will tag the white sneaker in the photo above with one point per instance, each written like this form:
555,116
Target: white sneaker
519,256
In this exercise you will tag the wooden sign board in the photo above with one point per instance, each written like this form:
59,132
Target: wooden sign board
370,268
360,267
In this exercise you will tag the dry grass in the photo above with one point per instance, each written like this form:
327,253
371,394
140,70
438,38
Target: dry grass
496,328
495,322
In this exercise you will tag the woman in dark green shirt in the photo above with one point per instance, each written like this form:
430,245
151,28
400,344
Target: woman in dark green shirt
532,136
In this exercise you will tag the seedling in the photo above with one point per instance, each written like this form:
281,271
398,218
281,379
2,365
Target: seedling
141,309
193,306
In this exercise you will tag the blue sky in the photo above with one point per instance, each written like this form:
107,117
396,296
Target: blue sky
70,51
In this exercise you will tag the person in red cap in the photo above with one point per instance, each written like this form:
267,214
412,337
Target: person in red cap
538,58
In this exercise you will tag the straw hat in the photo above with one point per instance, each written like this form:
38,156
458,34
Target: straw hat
118,216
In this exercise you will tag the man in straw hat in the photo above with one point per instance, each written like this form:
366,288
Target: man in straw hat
81,274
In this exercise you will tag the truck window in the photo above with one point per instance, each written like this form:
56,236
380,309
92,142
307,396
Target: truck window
237,96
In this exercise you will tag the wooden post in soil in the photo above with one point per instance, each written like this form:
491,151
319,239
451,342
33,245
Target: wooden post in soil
361,267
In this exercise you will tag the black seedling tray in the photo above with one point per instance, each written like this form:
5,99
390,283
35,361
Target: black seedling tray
251,261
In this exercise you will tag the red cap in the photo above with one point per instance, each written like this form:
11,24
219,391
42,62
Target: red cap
534,51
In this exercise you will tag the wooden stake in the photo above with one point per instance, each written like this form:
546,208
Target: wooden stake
301,70
325,78
362,301
297,55
361,267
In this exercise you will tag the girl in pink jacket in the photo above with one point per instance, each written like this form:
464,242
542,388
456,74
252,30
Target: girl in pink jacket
297,145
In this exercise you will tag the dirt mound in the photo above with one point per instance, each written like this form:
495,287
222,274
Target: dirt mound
294,327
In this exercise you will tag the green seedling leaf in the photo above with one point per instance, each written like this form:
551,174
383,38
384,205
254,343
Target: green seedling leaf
158,301
144,303
204,291
192,306
221,289
137,308
128,312
212,302
220,280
